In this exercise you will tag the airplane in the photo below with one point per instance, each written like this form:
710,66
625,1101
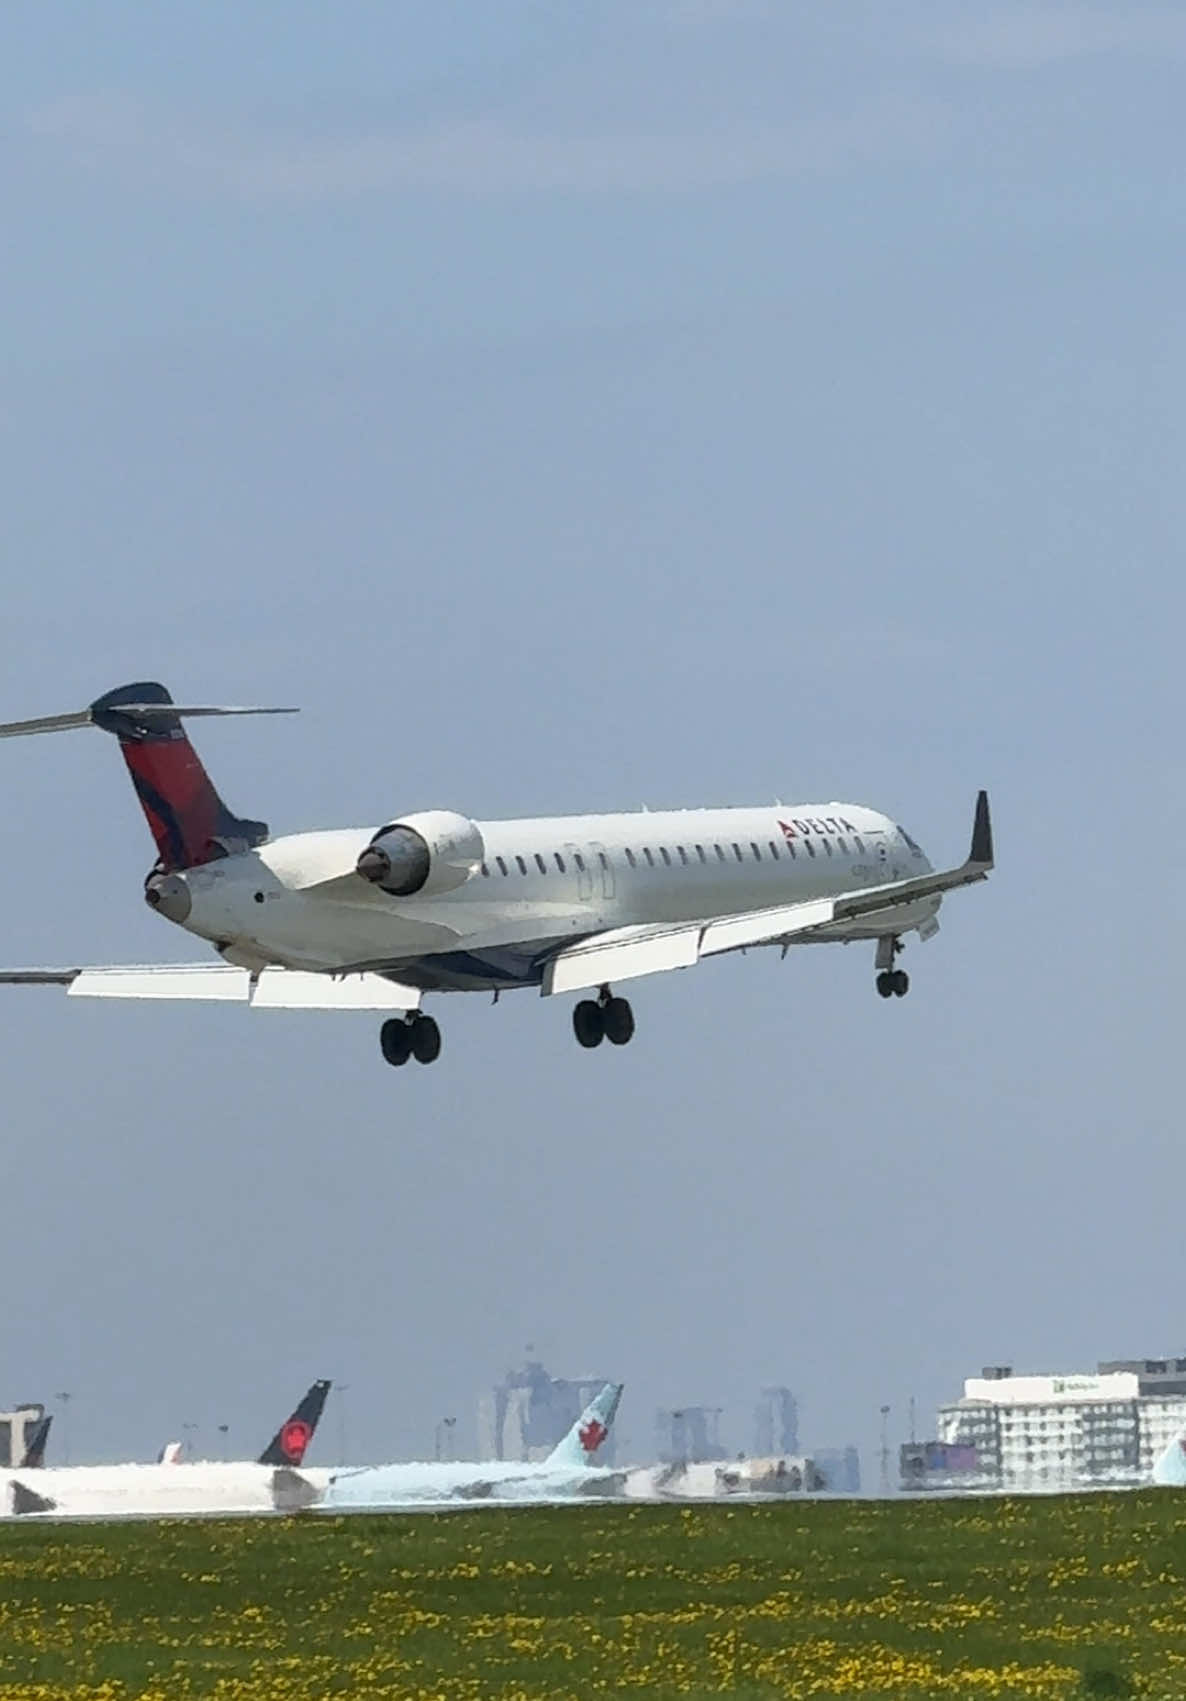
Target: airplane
277,1481
1169,1470
34,1457
431,901
569,1470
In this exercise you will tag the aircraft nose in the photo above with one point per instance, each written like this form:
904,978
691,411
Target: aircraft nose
169,895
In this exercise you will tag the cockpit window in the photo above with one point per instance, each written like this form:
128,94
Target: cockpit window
917,849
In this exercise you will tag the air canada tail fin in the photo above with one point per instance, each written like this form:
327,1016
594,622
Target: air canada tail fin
189,821
34,1457
580,1445
1170,1469
287,1446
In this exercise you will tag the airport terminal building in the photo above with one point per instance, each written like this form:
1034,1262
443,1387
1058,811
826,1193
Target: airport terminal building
1103,1429
16,1431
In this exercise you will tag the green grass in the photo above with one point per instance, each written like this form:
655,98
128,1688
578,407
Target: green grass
1070,1597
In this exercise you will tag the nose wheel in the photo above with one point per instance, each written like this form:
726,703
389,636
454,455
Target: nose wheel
605,1017
414,1036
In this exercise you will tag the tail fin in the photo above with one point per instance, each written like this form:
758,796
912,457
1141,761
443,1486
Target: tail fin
187,818
189,821
580,1445
1170,1469
287,1446
34,1457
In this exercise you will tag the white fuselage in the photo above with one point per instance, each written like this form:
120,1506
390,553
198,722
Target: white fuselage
459,1483
297,901
200,1487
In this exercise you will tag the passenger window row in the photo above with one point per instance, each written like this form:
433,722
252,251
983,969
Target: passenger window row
722,855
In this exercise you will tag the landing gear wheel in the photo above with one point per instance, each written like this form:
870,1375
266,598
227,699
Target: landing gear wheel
426,1040
618,1020
395,1041
588,1024
885,982
901,982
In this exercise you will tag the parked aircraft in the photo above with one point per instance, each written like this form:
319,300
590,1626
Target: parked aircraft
568,1471
431,901
34,1459
276,1481
1170,1469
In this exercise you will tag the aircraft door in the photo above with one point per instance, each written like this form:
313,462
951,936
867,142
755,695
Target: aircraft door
583,862
603,869
879,857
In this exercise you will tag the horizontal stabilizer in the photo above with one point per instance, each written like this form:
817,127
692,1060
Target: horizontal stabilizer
25,1501
141,711
292,1492
272,989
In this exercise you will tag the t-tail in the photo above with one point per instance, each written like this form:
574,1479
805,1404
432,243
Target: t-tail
187,818
288,1445
580,1445
1170,1469
34,1457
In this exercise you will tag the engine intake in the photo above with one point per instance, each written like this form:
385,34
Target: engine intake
434,851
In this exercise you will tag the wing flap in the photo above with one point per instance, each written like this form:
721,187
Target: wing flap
180,980
274,989
294,989
622,955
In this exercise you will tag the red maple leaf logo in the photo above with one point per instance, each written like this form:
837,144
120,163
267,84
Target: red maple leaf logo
788,832
294,1438
592,1434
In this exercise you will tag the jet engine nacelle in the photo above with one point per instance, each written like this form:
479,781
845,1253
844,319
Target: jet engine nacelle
434,851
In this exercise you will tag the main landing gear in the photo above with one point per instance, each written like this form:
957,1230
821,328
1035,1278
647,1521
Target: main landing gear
891,982
606,1018
410,1036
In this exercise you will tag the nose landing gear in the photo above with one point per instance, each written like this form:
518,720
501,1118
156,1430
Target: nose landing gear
890,982
606,1018
411,1036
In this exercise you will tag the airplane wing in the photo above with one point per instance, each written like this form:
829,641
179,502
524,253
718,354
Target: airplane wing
272,989
627,952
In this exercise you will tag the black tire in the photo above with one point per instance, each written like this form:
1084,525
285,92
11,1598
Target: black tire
618,1020
901,983
588,1024
395,1041
426,1040
885,983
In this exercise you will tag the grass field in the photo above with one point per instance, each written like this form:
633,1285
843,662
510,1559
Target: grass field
1068,1597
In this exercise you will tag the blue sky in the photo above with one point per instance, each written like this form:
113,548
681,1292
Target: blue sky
579,407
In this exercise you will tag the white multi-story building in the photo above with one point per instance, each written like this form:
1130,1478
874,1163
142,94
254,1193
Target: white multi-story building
1104,1429
16,1431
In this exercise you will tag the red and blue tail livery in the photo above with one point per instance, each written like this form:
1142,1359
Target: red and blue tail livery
187,818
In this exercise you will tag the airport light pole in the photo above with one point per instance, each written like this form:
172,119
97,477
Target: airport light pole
885,1456
64,1398
442,1439
342,1389
224,1431
189,1430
